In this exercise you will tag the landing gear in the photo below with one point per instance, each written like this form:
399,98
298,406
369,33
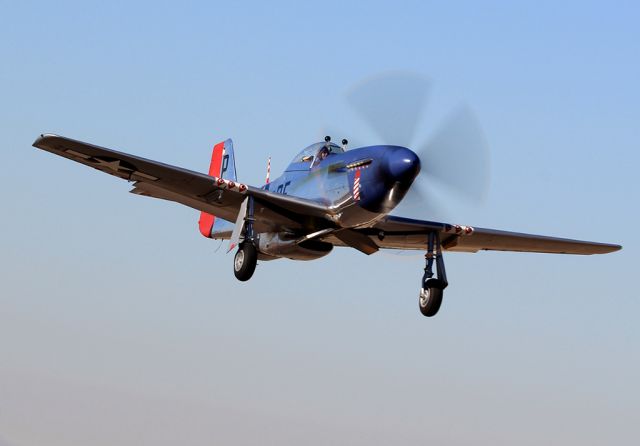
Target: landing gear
432,288
246,258
245,261
430,300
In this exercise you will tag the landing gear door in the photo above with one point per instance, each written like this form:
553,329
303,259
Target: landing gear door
239,226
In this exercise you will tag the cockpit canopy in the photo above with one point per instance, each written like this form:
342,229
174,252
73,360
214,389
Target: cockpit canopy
316,153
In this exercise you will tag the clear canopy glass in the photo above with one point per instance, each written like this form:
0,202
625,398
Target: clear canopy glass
311,152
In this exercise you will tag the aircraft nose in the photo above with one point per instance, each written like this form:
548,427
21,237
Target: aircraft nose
403,165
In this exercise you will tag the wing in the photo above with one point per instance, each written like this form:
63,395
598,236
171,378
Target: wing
213,195
404,233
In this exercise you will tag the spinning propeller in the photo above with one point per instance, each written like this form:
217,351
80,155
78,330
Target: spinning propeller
456,157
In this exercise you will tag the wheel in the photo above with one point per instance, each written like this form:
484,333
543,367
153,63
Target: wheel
430,300
244,262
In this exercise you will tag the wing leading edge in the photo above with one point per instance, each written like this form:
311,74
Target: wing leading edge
404,233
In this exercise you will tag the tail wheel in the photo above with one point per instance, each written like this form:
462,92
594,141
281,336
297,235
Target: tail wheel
430,300
244,262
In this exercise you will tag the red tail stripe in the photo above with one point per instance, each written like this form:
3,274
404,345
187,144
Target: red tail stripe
216,160
207,220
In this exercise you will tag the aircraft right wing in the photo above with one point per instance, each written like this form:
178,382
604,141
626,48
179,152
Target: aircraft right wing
217,196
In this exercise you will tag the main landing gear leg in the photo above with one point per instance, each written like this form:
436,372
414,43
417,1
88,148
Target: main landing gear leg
432,287
246,258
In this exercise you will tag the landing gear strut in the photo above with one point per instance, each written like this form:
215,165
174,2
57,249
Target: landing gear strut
246,258
432,287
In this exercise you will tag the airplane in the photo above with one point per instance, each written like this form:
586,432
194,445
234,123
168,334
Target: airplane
328,196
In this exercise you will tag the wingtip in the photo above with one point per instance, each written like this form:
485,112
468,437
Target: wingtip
608,248
43,137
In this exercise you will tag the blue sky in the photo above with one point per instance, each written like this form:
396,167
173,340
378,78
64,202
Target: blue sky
120,324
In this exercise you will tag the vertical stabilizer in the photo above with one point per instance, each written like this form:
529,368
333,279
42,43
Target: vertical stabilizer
223,165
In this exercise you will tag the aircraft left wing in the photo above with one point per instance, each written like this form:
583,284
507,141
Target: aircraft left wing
405,233
216,196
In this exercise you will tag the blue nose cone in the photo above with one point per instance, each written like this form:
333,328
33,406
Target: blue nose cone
402,166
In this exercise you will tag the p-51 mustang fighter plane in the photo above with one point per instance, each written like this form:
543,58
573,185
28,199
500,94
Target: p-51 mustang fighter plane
328,196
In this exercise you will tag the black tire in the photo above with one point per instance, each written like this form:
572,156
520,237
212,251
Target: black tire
430,300
244,262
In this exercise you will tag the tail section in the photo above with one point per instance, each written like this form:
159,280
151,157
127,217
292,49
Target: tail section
223,165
